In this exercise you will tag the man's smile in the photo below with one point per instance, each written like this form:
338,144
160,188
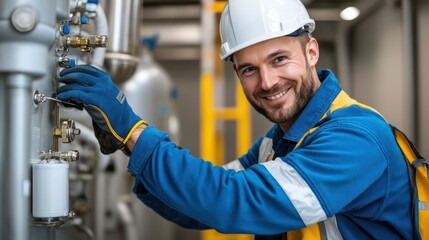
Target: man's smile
277,96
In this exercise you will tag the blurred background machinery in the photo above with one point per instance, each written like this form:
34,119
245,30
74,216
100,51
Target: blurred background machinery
55,183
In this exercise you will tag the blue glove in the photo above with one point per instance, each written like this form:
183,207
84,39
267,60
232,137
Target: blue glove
113,119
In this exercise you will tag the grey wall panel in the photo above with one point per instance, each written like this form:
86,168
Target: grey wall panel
423,59
377,65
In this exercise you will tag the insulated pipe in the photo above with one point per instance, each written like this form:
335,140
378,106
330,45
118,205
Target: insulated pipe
411,68
18,87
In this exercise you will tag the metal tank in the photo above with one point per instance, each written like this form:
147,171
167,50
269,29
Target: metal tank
151,92
124,28
152,95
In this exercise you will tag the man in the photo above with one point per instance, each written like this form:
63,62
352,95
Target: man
336,171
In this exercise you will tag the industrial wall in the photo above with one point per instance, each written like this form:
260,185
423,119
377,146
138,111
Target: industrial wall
379,67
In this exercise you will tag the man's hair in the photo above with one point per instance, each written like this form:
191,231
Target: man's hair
303,38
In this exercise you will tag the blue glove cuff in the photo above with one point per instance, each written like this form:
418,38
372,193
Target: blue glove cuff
129,125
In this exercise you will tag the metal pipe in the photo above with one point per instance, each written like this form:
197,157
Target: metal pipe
411,68
85,230
18,91
127,219
2,149
124,19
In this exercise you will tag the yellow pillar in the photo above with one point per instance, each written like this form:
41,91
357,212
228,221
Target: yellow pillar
212,140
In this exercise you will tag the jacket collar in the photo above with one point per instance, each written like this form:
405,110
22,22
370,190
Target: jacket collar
316,107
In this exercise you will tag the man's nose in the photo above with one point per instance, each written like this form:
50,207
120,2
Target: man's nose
268,78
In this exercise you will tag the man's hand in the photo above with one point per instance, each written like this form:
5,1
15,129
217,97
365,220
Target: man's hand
113,119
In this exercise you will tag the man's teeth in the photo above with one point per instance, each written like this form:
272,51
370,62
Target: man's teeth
277,96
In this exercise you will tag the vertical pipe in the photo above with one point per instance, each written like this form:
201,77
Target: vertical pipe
121,58
411,69
18,91
2,148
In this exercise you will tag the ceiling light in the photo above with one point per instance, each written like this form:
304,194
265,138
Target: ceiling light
349,13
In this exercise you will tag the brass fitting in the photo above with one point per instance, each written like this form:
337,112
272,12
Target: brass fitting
86,44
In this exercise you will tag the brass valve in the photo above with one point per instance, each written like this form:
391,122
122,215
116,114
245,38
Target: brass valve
86,44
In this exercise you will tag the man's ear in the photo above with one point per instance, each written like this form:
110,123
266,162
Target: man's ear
312,52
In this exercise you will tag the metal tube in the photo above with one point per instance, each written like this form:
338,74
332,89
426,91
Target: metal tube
2,148
127,220
18,92
124,20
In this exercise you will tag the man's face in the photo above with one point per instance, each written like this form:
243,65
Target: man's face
276,77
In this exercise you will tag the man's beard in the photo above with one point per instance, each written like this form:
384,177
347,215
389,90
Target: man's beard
279,115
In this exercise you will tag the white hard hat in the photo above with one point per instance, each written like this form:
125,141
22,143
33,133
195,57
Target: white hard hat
246,22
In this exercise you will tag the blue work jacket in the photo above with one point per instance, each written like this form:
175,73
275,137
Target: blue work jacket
338,167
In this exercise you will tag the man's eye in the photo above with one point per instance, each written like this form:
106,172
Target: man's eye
279,59
247,70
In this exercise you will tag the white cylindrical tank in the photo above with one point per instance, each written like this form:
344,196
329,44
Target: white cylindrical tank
50,189
152,95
